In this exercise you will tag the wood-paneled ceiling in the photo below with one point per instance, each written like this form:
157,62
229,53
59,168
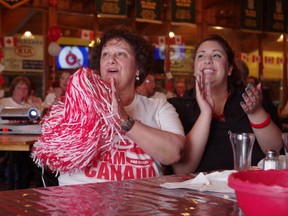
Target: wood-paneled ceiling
73,15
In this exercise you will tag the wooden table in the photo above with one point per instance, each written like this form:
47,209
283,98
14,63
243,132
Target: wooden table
12,143
17,142
128,197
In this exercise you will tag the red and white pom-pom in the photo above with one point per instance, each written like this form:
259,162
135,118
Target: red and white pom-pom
73,130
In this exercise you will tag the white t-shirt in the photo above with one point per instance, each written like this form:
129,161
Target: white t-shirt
127,160
159,95
49,99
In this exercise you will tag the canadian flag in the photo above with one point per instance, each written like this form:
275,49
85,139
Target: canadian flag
243,57
8,41
269,59
86,34
256,59
161,40
147,38
279,60
177,40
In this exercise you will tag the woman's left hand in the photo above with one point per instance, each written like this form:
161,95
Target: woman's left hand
252,98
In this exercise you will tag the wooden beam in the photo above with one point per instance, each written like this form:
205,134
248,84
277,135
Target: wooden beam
11,23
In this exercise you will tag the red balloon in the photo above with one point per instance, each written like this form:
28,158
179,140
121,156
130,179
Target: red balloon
54,33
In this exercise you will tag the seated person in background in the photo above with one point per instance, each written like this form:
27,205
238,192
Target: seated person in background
284,112
147,88
243,70
246,78
63,82
221,105
2,81
34,100
180,87
20,90
55,92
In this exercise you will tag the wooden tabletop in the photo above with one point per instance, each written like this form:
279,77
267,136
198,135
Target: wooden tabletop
17,142
127,197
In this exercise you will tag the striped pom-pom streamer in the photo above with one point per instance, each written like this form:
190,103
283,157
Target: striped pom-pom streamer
74,128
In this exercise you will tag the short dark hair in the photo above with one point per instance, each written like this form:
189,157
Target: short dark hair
143,50
20,79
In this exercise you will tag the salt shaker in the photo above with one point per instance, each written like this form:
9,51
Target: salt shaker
271,161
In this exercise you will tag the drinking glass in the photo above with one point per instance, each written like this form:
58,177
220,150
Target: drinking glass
242,145
285,141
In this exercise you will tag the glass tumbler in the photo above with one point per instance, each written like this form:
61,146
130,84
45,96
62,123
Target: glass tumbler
242,145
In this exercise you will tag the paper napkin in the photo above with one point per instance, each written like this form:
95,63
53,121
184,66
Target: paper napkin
213,182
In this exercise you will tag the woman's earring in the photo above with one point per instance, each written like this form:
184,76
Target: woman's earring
137,77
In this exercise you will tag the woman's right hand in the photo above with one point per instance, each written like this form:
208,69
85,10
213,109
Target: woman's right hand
203,93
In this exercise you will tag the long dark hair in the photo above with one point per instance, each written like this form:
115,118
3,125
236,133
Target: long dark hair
234,80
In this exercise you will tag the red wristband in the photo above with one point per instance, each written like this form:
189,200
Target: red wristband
263,124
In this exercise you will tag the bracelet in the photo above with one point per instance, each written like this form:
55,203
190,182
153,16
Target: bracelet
263,124
128,124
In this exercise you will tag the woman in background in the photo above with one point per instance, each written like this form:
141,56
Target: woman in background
20,89
57,92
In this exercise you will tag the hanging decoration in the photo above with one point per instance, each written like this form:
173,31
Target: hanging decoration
53,2
8,41
86,34
54,33
54,49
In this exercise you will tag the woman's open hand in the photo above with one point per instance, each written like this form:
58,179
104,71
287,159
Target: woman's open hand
203,93
252,98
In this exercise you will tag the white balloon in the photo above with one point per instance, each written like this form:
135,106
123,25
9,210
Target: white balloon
54,49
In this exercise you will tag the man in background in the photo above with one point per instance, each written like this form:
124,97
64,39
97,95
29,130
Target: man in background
147,88
180,87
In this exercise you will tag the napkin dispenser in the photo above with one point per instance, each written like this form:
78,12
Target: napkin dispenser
20,114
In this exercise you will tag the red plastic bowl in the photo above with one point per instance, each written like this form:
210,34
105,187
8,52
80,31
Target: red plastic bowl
261,192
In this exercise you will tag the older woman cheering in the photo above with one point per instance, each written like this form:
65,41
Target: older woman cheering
152,132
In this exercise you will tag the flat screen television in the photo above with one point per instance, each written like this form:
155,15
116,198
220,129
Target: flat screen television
177,52
71,57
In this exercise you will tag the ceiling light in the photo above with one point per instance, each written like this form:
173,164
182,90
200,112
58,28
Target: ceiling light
27,35
171,34
218,27
280,39
92,43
